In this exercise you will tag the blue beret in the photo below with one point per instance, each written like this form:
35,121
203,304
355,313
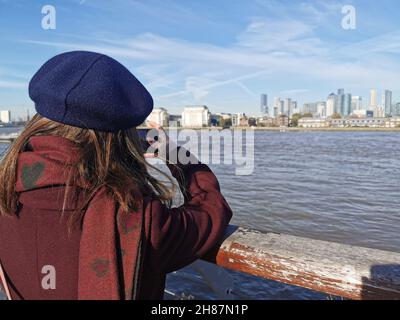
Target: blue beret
89,90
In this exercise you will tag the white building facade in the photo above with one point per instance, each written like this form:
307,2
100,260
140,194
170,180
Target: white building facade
196,116
159,116
330,105
5,116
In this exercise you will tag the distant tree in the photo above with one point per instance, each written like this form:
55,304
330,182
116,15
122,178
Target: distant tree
226,123
336,116
307,115
295,119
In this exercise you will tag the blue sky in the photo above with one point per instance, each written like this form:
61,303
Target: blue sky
223,53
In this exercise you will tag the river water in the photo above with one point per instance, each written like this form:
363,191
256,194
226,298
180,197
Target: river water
335,186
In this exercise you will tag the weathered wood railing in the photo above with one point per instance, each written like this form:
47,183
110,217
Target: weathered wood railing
333,268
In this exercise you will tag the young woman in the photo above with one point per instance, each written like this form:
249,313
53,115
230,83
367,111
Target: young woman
80,216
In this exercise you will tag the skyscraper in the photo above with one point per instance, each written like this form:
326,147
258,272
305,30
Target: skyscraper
396,111
330,104
340,101
346,105
373,102
321,109
264,104
287,107
295,108
387,102
356,103
277,107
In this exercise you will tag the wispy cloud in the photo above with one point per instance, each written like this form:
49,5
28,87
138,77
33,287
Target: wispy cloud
4,84
273,49
284,47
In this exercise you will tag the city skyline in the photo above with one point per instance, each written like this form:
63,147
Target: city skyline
289,106
222,55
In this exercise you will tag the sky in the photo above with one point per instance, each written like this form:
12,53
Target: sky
221,53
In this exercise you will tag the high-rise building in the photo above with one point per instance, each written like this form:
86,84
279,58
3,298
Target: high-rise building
277,107
321,109
287,107
356,103
331,104
264,104
346,105
373,100
311,107
5,116
340,101
379,112
295,107
396,111
387,102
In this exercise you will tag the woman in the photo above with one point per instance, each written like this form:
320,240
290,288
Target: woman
80,216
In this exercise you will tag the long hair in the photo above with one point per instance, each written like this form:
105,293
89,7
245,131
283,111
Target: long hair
113,160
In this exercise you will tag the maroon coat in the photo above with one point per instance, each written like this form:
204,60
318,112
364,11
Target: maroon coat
38,236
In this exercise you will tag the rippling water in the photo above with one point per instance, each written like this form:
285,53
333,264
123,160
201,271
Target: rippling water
336,186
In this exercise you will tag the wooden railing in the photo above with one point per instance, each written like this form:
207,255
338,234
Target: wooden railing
333,268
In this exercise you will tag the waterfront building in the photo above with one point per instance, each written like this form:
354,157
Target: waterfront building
387,102
360,113
196,116
239,120
221,119
282,121
159,116
252,122
309,122
359,122
366,122
393,122
264,104
5,116
174,120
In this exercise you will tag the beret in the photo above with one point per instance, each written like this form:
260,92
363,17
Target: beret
89,90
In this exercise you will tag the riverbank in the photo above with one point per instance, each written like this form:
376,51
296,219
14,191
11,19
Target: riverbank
293,129
329,129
